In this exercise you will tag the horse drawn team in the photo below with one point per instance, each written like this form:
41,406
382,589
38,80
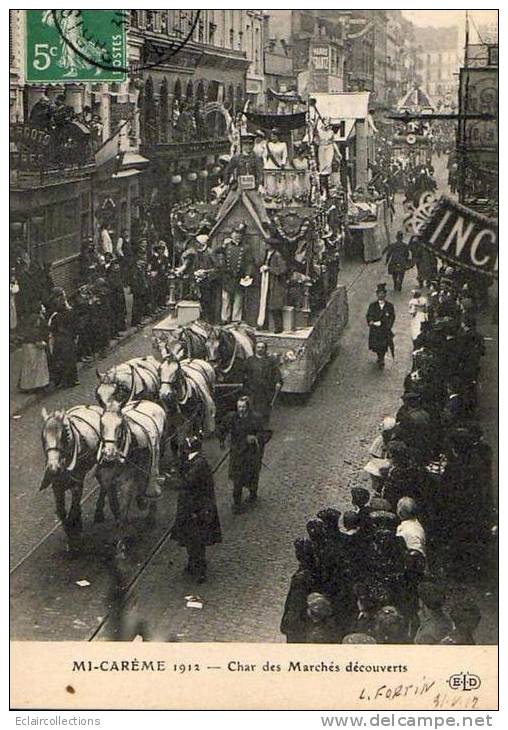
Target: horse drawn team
145,409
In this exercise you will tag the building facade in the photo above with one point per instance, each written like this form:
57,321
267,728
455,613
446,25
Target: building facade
317,47
438,65
147,140
477,139
279,73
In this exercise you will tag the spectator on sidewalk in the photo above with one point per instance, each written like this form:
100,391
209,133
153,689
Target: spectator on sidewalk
116,299
34,359
434,623
63,338
301,585
105,242
140,293
410,527
466,616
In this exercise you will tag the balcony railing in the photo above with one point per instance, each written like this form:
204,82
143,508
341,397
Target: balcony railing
179,150
28,176
45,154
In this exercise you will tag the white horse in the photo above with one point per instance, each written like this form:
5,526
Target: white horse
228,347
189,383
70,440
135,379
129,454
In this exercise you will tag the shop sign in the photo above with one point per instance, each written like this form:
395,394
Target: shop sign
479,89
462,236
29,136
320,58
253,86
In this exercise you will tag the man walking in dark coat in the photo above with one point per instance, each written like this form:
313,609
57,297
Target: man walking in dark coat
248,438
398,257
262,381
196,523
380,318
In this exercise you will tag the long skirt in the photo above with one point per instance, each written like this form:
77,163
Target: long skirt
416,323
34,367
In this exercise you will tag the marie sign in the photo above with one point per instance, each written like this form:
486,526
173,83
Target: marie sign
463,237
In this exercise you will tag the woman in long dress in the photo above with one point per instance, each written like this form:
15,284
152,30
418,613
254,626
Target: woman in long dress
276,152
34,358
418,312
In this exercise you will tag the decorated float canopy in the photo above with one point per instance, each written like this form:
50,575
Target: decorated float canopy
343,109
416,100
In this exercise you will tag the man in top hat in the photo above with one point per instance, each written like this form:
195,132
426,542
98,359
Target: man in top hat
199,262
273,286
236,273
380,318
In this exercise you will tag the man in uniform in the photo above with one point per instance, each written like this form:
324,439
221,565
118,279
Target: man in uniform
238,264
262,381
247,439
380,318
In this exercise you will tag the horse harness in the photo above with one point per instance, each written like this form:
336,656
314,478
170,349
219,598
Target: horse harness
136,370
74,436
128,437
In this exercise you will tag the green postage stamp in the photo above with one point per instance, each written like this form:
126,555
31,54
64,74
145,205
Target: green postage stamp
76,45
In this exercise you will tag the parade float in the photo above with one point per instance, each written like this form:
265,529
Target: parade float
413,139
353,132
310,234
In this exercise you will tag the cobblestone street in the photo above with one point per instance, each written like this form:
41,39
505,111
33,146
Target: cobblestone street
319,447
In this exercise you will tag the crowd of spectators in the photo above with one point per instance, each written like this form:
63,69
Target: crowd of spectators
380,572
111,271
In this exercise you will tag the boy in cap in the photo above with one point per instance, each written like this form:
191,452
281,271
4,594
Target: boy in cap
380,319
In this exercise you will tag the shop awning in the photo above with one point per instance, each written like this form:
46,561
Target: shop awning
348,106
283,122
130,159
125,173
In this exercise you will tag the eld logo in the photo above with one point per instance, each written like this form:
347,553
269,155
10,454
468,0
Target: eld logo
464,681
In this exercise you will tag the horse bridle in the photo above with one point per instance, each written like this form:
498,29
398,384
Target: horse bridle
61,449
